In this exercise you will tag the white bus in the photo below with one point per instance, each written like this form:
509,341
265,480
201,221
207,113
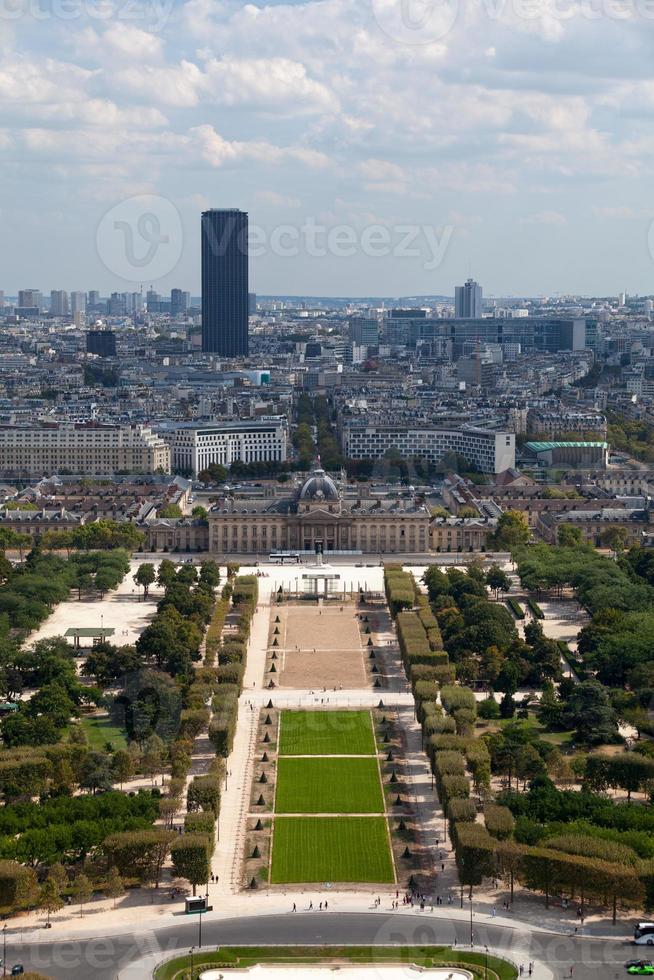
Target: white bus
644,934
284,557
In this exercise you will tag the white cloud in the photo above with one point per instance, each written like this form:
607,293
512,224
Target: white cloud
276,200
546,218
617,212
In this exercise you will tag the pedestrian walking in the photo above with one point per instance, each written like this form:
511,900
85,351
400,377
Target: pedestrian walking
294,907
310,905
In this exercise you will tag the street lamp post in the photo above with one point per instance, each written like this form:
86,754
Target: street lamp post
200,931
4,950
192,948
486,964
471,932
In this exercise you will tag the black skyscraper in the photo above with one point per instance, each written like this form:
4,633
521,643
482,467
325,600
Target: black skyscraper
225,282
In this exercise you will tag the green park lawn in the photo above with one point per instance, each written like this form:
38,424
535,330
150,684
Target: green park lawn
100,729
325,849
478,963
328,785
326,733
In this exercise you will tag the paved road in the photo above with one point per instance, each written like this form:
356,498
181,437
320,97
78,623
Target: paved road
104,958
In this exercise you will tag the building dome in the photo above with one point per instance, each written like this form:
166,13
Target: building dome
319,486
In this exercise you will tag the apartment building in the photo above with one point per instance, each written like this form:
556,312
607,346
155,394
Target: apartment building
491,452
194,447
90,449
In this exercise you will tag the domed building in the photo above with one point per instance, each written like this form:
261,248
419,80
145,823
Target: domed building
317,511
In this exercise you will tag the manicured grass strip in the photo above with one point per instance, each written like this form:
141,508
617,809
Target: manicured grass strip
100,730
328,785
326,733
242,957
307,849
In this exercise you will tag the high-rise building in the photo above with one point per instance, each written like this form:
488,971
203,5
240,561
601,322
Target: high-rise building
252,303
58,302
2,298
179,301
30,298
101,342
225,282
77,302
364,331
467,300
92,299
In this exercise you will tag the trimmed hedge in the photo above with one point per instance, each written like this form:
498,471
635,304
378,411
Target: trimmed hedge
464,811
515,607
499,821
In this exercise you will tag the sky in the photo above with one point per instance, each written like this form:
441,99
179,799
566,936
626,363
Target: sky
381,147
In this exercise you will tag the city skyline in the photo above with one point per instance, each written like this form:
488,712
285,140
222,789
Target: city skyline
530,142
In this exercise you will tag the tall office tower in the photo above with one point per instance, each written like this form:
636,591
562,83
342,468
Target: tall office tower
467,300
30,298
178,302
77,302
58,302
2,298
225,282
92,298
252,303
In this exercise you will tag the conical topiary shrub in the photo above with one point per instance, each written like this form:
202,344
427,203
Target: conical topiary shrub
253,883
264,757
386,739
393,778
263,778
258,825
276,631
267,720
261,801
277,619
389,757
266,738
369,641
271,683
406,853
270,705
273,669
275,643
401,825
377,682
256,853
371,655
381,705
398,800
374,669
273,656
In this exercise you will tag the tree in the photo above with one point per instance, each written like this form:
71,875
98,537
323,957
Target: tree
497,580
172,511
122,767
569,536
96,772
50,899
140,853
152,759
81,892
190,855
145,576
214,473
167,573
199,512
615,538
113,887
590,712
512,531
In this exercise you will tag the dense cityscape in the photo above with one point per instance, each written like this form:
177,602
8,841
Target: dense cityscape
314,607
